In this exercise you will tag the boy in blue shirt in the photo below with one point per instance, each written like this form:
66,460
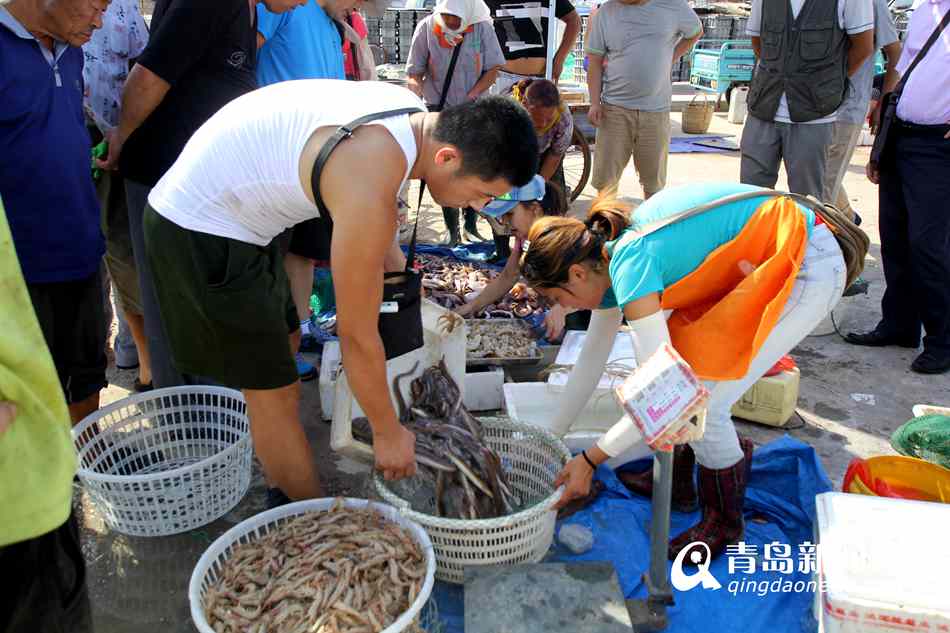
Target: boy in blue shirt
305,43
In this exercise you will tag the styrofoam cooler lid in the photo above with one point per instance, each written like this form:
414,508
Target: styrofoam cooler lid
622,353
879,551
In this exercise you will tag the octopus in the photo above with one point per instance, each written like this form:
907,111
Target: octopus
452,284
467,477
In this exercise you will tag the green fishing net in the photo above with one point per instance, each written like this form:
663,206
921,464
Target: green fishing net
926,437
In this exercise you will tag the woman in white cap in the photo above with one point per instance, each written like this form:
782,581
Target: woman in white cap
516,211
461,30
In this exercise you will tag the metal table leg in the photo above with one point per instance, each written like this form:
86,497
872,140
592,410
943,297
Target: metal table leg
650,614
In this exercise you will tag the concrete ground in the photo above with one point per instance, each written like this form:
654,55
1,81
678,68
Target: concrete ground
850,402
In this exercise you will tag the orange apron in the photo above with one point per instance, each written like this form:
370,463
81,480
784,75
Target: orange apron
724,310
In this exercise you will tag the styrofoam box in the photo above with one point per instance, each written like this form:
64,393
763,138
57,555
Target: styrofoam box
437,345
623,353
329,370
536,403
484,390
884,563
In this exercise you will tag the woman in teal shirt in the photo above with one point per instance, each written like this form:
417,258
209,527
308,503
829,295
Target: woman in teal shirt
773,256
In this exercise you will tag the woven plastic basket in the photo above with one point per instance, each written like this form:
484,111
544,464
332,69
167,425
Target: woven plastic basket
166,461
532,458
209,565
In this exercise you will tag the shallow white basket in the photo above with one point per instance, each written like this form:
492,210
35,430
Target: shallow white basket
166,461
930,409
532,458
209,565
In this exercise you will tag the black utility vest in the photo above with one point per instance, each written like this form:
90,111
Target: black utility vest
806,58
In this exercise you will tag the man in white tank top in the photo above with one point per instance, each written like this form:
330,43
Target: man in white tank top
245,176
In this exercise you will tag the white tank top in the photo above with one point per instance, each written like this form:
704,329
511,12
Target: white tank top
239,174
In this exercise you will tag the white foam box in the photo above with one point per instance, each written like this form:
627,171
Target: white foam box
438,344
771,400
883,564
536,403
330,366
484,389
623,354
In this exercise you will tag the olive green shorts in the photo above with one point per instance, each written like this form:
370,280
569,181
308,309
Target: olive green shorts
226,305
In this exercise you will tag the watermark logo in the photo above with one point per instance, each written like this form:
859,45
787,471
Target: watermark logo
684,582
750,570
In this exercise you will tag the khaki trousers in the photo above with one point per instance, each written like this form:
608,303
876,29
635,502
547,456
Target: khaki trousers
625,133
844,139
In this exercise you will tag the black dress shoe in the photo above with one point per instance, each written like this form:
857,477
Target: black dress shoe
931,363
877,338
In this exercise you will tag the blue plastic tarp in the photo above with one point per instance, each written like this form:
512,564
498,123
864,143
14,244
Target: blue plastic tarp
713,144
779,509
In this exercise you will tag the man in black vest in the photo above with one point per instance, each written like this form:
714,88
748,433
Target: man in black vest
806,50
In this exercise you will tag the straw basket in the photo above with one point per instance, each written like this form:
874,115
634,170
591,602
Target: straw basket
166,461
210,564
532,458
698,116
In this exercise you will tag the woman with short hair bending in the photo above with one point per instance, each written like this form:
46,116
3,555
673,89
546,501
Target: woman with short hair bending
742,282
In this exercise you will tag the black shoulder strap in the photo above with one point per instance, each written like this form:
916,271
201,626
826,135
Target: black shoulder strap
923,51
344,132
411,255
450,73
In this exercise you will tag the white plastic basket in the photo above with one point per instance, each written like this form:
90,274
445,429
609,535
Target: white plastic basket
210,564
532,458
166,461
930,409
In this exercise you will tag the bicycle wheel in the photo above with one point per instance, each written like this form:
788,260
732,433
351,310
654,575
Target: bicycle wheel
576,165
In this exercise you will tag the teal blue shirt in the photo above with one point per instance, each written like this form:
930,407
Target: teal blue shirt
640,266
299,44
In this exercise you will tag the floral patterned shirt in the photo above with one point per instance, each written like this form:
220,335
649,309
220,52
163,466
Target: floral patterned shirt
123,37
558,137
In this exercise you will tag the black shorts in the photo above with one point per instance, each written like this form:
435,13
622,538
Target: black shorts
43,585
226,305
73,319
309,239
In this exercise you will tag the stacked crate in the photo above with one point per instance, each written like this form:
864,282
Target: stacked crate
393,32
580,74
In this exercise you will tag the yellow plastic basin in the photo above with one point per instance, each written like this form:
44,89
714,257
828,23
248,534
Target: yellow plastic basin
898,476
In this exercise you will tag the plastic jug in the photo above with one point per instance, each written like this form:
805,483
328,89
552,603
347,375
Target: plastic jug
738,104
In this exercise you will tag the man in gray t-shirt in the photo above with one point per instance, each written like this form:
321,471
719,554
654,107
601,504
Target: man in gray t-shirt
630,96
851,115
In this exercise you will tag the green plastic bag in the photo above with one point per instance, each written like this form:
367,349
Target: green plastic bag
926,437
323,298
100,151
